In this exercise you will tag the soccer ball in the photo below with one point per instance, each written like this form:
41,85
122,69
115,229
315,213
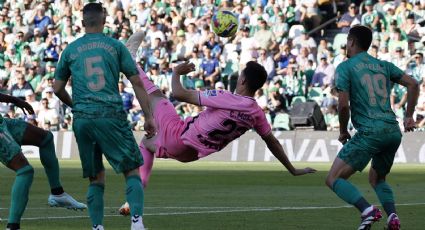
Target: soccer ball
224,23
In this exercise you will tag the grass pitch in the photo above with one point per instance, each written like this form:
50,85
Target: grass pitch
207,195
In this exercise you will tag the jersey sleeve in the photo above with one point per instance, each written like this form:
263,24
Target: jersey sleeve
342,79
63,71
395,73
127,64
262,126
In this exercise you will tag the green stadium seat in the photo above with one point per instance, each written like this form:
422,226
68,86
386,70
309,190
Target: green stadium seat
298,99
281,122
315,92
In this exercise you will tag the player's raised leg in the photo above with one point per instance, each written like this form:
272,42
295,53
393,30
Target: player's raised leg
337,181
33,135
147,148
20,189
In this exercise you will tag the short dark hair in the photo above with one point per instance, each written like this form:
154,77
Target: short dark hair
93,14
255,75
361,35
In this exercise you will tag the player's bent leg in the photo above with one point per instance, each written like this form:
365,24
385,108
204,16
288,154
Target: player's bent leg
386,197
44,140
20,189
147,149
135,198
95,200
337,181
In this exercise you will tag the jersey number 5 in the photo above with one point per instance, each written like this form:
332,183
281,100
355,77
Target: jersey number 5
94,73
376,87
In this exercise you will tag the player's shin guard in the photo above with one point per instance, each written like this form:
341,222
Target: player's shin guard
349,193
95,203
146,169
149,86
386,197
20,190
50,163
134,195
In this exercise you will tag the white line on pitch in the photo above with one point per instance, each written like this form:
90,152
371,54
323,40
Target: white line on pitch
258,209
223,207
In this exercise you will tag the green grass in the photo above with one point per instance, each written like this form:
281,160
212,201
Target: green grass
205,195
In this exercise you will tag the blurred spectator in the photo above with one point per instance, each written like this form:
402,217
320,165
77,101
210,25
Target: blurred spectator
399,59
30,99
261,99
349,19
264,36
371,17
127,98
266,60
47,118
210,68
324,74
342,56
53,101
20,87
417,68
41,20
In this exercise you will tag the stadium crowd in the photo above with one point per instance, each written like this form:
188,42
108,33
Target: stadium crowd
280,34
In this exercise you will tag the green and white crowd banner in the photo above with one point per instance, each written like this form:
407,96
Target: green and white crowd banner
300,146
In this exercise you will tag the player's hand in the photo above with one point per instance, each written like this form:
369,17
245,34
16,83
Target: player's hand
184,68
299,172
149,127
26,108
409,124
344,137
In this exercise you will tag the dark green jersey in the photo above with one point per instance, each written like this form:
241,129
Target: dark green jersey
95,62
368,81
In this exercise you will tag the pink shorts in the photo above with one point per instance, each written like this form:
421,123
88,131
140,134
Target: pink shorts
168,139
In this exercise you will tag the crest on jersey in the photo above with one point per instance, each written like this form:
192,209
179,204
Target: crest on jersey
210,93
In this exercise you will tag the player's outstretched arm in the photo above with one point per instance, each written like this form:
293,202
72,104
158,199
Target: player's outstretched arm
412,99
143,98
277,150
179,92
61,93
26,108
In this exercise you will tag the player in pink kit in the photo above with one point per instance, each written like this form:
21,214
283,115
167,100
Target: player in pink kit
227,116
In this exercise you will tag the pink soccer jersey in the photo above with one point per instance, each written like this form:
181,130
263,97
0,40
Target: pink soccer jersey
226,118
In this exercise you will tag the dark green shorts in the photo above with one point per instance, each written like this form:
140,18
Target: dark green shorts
10,138
113,138
380,146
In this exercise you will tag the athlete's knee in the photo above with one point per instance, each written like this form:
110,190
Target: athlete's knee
48,138
373,181
133,172
329,181
99,178
26,171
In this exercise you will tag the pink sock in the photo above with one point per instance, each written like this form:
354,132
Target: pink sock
149,86
146,169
